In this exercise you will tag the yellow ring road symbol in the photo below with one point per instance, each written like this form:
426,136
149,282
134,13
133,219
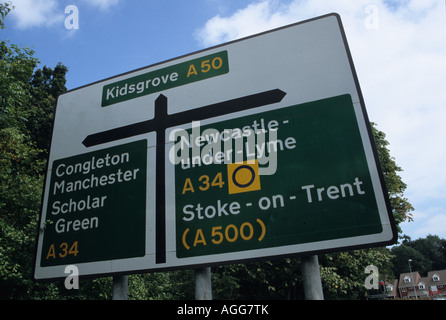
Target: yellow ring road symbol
243,177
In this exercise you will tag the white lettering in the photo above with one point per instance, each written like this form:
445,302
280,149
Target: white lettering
221,209
63,225
332,192
78,206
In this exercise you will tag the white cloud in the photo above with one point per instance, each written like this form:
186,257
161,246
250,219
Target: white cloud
431,221
253,19
401,65
36,13
47,13
434,225
102,4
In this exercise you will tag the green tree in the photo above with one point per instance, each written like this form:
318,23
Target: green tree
46,85
401,208
16,67
5,8
433,248
343,274
20,183
402,254
275,279
21,168
20,192
427,254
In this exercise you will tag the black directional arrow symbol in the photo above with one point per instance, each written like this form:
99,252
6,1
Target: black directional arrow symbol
162,120
159,124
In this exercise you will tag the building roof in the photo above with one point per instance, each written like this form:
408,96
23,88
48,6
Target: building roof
434,278
406,280
392,288
440,275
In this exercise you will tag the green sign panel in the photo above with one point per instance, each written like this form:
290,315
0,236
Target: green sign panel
169,77
307,180
97,206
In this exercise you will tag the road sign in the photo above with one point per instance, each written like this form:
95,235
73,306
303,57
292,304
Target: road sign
320,191
90,195
257,148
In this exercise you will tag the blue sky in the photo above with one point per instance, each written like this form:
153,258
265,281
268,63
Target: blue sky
112,38
399,50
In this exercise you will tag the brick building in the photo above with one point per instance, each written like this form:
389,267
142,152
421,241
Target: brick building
412,285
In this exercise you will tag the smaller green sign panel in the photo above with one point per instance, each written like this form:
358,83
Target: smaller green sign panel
162,79
290,176
96,206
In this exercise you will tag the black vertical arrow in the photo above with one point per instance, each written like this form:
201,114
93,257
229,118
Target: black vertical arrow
160,118
159,124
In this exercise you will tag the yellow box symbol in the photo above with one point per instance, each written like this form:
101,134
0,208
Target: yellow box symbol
243,177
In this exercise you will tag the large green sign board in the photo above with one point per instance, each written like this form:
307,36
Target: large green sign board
255,149
96,206
321,189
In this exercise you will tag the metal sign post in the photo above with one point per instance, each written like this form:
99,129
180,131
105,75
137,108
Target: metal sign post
120,287
311,278
203,284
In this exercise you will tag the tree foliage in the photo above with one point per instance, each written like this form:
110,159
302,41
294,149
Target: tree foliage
20,180
427,254
401,208
5,8
22,163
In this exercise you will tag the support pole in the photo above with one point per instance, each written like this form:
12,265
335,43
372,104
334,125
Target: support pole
312,278
203,284
120,287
